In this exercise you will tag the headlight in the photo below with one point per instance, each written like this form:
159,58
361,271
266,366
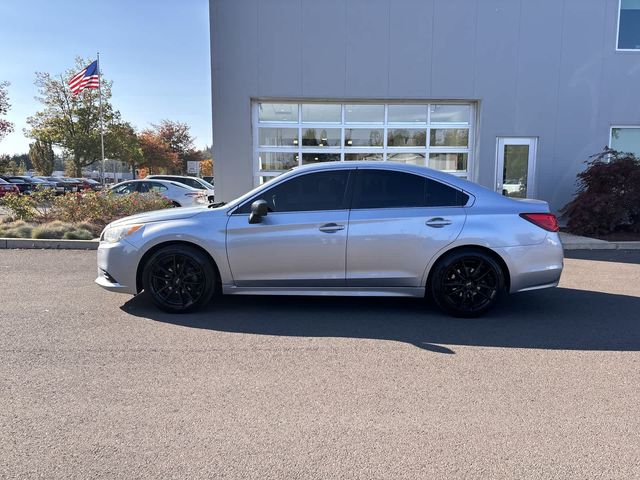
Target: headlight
115,234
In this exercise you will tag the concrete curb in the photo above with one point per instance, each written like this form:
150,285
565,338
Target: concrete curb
602,246
30,243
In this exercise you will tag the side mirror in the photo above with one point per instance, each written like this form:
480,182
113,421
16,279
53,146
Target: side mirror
259,209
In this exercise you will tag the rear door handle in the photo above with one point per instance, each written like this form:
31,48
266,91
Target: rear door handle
331,227
437,222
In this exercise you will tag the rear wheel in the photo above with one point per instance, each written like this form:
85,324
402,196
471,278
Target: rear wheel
179,278
467,283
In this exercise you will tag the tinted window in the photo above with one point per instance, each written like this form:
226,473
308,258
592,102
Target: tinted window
155,187
311,192
389,189
125,188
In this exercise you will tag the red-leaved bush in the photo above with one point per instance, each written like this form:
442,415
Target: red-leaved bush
608,197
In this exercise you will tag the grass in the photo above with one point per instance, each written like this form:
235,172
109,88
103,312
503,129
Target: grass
56,230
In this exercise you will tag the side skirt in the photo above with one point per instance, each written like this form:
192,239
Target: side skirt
327,291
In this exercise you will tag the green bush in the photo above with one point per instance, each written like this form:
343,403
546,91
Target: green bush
99,209
92,211
53,230
18,229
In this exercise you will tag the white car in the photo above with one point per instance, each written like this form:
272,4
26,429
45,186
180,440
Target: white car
180,195
193,182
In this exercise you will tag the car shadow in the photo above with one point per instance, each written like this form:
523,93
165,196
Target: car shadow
559,318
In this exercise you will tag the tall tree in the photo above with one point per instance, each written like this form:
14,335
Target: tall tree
179,139
72,122
42,157
157,154
125,145
5,126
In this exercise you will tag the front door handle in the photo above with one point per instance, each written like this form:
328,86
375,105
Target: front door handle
437,222
331,227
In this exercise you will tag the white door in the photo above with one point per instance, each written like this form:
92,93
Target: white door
516,163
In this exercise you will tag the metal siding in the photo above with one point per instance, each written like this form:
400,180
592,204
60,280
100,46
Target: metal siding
454,33
324,54
410,30
547,68
234,56
279,48
367,47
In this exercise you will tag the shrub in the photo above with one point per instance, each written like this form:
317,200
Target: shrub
78,234
608,197
93,210
53,230
99,209
17,229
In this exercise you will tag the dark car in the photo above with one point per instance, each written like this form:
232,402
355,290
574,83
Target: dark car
7,187
89,184
61,185
25,186
38,183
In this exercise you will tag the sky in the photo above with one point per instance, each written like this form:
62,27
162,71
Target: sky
156,52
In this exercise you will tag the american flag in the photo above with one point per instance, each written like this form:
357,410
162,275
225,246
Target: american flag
86,78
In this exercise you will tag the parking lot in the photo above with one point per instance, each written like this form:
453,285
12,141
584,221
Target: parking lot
96,384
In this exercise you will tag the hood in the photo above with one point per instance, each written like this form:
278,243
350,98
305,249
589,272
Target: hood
160,215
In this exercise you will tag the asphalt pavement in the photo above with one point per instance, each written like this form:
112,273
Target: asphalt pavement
100,385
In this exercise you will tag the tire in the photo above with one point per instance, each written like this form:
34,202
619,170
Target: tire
467,283
179,279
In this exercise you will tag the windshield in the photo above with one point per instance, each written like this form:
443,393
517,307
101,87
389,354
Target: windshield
206,184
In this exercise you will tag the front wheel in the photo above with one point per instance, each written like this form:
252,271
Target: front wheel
467,283
179,279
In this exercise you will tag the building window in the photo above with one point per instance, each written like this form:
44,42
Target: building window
288,134
626,140
629,25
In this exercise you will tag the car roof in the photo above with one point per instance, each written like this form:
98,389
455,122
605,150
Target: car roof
159,180
170,176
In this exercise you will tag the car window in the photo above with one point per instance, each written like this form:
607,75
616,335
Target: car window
390,189
310,192
152,187
125,188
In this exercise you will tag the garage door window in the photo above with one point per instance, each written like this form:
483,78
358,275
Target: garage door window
287,134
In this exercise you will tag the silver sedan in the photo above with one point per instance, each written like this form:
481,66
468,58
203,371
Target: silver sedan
361,228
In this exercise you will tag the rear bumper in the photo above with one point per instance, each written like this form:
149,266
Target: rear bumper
533,267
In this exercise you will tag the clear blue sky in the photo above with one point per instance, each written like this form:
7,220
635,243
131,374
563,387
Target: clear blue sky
155,51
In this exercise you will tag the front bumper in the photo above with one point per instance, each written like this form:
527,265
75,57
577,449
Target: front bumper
532,267
117,267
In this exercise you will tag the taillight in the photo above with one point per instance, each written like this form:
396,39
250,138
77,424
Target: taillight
548,221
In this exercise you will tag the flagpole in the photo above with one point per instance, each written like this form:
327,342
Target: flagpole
101,124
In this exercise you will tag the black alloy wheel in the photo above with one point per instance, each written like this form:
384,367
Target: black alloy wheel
467,283
179,279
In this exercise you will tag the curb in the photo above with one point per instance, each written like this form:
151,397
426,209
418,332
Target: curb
602,246
30,243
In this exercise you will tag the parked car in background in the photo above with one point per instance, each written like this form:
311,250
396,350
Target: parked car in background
61,186
193,182
7,187
89,184
25,186
40,184
77,185
180,195
341,228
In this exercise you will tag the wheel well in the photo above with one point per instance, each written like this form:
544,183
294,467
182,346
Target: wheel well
477,248
155,248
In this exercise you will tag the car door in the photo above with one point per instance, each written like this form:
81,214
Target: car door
302,240
398,222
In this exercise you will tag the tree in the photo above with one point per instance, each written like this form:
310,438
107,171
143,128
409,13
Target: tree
206,168
179,139
72,122
5,126
156,152
42,157
126,145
